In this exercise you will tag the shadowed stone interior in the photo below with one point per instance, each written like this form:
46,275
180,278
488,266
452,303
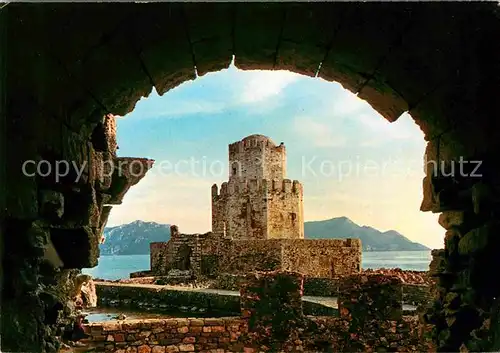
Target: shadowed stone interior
68,67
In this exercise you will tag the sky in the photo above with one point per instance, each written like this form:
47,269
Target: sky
351,161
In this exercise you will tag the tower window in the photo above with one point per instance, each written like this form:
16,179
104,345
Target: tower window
294,216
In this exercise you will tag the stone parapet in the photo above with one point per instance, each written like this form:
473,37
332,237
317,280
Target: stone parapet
366,298
233,334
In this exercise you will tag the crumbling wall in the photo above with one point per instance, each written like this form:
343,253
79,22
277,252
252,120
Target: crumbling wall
285,211
272,319
272,301
240,209
232,334
244,256
325,258
182,252
258,209
161,257
70,201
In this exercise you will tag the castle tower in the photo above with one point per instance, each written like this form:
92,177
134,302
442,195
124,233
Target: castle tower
257,157
258,202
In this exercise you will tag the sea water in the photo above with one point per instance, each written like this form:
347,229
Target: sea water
119,266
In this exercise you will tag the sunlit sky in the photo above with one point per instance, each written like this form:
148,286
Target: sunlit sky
350,160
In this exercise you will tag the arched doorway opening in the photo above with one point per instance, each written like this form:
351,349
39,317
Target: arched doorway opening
403,57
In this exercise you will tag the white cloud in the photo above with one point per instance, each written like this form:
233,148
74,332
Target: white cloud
320,134
178,109
348,104
265,84
382,130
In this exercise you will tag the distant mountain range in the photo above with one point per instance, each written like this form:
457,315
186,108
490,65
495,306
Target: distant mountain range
371,238
134,238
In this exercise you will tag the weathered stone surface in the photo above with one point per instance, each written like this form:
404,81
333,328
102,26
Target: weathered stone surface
365,298
126,173
474,241
211,255
51,204
258,202
450,219
318,334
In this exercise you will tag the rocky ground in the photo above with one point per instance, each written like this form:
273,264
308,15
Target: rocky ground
407,276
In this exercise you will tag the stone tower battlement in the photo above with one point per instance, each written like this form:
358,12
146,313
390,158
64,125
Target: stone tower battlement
258,201
257,157
264,186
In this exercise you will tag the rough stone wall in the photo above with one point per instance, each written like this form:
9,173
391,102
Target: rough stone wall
257,202
168,335
63,229
273,320
325,258
161,257
366,298
258,209
165,299
272,301
245,210
256,157
413,294
244,256
181,252
232,334
285,218
465,296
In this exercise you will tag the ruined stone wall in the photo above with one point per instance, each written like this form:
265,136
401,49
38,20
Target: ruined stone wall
168,335
182,252
244,256
219,203
62,216
273,320
258,209
257,202
285,218
325,258
165,299
232,334
160,257
241,207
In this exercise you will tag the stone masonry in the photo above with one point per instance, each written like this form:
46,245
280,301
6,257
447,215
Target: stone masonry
257,225
258,202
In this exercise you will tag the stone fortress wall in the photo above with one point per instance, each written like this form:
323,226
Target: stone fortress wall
257,225
258,209
269,316
210,255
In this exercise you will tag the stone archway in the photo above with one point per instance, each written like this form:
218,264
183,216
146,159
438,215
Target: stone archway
439,61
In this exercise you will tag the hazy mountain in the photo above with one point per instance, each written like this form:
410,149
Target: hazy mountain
371,238
134,238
